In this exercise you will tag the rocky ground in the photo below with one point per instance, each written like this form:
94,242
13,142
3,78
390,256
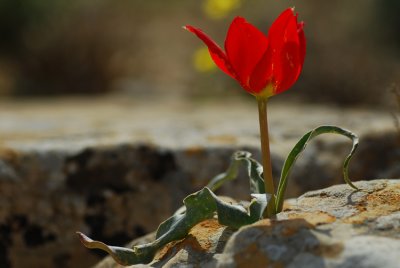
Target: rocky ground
334,227
115,168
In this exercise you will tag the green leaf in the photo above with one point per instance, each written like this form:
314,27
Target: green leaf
232,215
254,171
258,205
123,256
198,207
299,148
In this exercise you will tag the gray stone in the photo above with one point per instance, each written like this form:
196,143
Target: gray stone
334,227
90,164
389,222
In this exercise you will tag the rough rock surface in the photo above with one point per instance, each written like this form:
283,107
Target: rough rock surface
333,227
90,164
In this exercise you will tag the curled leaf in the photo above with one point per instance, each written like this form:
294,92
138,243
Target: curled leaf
198,207
299,148
258,205
254,171
123,256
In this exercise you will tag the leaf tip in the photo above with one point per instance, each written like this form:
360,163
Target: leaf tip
85,240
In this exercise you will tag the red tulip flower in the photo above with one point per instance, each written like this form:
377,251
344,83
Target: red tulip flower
263,65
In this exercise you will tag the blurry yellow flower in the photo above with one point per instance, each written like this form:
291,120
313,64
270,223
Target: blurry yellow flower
217,9
202,60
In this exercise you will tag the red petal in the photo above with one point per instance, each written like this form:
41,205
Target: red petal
244,46
302,40
265,71
217,54
262,73
278,27
287,51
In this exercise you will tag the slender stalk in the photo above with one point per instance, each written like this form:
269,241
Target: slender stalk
266,155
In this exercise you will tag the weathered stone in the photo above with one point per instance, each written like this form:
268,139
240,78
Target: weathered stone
332,227
90,165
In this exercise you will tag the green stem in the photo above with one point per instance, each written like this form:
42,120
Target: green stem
266,156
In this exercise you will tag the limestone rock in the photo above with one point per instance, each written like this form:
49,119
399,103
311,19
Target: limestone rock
333,227
90,164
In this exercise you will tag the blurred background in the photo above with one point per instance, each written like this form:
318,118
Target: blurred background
139,48
70,163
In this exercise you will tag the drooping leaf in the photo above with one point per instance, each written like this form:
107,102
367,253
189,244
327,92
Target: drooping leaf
254,171
299,148
198,207
232,215
123,256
